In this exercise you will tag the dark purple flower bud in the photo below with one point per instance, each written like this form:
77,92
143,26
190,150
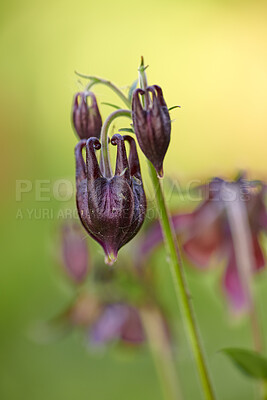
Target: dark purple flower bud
152,125
86,119
75,255
112,210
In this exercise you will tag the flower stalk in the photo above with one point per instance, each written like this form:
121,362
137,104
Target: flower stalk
95,80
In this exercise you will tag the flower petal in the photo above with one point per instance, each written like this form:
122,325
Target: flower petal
108,327
132,330
233,287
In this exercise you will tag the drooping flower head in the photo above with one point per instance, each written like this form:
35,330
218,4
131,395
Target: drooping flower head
111,209
87,120
152,125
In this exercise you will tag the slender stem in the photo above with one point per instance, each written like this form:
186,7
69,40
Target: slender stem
241,236
104,160
95,80
181,290
161,353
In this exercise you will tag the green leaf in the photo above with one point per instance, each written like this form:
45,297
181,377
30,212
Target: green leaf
130,130
173,107
249,362
111,105
131,90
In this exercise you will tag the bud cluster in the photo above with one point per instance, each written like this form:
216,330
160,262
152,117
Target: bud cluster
112,206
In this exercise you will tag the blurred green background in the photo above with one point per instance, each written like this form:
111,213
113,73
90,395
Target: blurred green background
210,57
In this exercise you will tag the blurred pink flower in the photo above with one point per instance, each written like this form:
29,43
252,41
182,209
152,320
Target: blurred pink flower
208,232
118,321
74,252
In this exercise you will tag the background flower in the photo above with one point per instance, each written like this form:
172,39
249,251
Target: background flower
207,237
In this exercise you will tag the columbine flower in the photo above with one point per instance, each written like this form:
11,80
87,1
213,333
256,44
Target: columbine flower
152,125
75,255
86,119
111,209
208,232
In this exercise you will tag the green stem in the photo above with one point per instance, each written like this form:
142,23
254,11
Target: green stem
181,290
95,80
105,160
161,353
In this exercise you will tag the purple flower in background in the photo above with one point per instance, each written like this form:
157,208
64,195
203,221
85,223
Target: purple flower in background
152,125
132,330
75,255
121,308
118,321
214,229
111,209
86,119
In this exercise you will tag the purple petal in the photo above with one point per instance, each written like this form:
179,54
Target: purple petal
132,330
122,166
233,287
203,244
205,236
75,253
108,327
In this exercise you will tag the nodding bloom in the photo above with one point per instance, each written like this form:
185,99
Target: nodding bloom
75,255
215,229
87,120
152,125
111,209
